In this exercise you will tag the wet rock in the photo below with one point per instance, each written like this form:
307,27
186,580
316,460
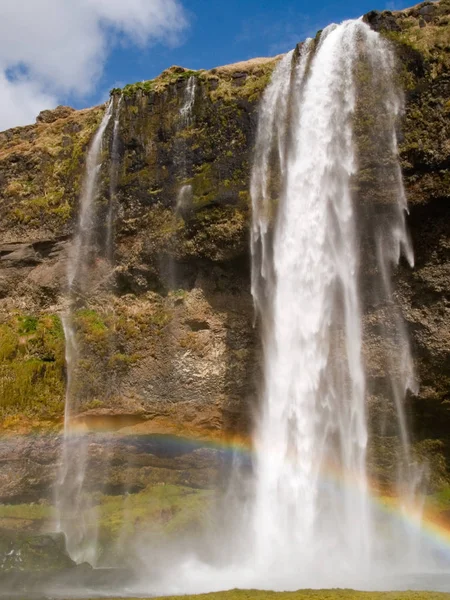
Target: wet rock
167,335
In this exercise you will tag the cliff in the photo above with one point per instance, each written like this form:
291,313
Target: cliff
167,337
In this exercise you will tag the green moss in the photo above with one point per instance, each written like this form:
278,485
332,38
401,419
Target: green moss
28,552
218,232
45,195
334,594
203,185
93,404
25,517
158,84
120,361
28,324
170,508
256,80
32,366
92,322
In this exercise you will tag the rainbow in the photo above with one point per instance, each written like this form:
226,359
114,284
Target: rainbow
432,528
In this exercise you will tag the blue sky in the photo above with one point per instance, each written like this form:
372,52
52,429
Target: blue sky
225,32
74,51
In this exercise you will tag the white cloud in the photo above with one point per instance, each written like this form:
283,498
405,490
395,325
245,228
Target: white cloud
52,48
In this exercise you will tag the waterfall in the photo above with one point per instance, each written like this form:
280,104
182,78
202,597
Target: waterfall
77,266
271,137
313,521
75,512
115,160
189,99
184,196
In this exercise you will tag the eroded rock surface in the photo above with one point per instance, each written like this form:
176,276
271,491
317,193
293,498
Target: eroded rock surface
167,337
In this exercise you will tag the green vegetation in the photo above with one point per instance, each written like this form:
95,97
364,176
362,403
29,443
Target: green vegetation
307,595
34,210
167,509
222,84
250,86
32,367
25,517
171,75
440,501
45,196
163,509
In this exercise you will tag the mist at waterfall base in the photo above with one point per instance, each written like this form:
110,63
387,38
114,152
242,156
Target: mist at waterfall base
324,240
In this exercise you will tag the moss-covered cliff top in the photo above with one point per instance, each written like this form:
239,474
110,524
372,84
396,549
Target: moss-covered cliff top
245,78
424,28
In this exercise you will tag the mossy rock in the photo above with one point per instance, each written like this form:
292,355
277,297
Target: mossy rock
32,366
33,552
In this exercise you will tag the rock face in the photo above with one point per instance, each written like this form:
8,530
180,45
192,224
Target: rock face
166,336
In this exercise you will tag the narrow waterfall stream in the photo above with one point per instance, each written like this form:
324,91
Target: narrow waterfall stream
113,176
185,191
76,516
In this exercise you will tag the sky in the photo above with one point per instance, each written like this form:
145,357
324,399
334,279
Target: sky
74,51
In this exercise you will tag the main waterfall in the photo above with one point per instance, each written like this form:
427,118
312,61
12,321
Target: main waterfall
314,522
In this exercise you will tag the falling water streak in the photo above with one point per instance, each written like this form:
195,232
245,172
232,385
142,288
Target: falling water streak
184,196
271,132
73,507
75,514
83,239
389,249
113,177
189,99
309,263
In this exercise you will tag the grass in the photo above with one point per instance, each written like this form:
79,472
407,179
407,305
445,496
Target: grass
31,366
45,196
25,517
308,595
156,85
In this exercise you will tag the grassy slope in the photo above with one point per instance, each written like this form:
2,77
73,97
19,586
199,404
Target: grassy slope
311,595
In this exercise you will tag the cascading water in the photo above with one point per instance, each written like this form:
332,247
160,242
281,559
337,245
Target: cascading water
313,426
189,99
115,159
185,192
75,512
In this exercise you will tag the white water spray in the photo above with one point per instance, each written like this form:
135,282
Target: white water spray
313,521
76,516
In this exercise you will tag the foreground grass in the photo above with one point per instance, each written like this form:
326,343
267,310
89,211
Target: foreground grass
307,595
